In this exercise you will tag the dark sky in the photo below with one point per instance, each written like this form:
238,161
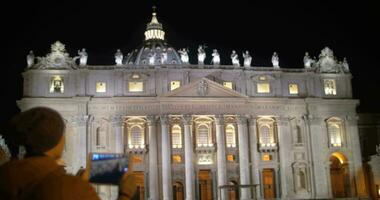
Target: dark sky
287,27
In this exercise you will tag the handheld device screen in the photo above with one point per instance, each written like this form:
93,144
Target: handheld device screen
107,168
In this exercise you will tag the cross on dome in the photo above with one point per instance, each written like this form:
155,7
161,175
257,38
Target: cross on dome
154,30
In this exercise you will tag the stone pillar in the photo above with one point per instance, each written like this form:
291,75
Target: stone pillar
320,157
153,171
117,136
221,156
166,161
243,157
352,130
255,156
77,126
189,158
285,145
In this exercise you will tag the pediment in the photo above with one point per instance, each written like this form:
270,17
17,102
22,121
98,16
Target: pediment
204,87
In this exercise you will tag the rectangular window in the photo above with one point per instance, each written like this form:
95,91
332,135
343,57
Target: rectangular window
174,85
227,84
293,88
263,88
137,159
56,85
136,86
176,159
100,87
267,157
329,86
230,158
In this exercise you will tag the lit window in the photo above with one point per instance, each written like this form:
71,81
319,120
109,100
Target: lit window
101,87
230,158
266,133
137,86
262,78
227,84
267,157
176,137
330,86
230,136
293,89
334,127
137,159
135,76
263,88
174,85
176,158
56,85
136,137
203,136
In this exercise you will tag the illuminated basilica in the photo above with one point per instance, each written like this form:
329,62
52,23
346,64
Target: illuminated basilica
206,130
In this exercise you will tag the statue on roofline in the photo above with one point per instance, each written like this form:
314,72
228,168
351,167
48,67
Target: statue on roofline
30,58
235,58
201,54
247,59
82,57
118,57
275,60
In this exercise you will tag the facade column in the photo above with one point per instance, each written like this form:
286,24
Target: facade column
357,158
221,156
243,157
284,141
77,126
255,156
166,162
189,158
320,164
153,172
117,138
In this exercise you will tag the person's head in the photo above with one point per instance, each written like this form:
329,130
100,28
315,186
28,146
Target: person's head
40,130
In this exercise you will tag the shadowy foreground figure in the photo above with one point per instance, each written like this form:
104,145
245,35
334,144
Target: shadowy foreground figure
40,175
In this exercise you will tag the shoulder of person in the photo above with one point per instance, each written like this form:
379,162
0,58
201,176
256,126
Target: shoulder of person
69,187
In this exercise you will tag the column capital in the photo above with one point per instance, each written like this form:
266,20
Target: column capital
282,121
116,119
164,119
352,119
241,120
252,120
187,119
219,119
151,120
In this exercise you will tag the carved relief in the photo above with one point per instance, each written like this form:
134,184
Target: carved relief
202,88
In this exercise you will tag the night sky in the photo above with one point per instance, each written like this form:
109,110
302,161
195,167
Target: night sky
288,27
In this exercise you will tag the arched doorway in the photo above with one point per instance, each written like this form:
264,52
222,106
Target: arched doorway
178,191
339,175
233,191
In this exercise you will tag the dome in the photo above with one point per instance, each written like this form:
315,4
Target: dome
155,50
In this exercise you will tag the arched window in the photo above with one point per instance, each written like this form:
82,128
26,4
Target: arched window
137,137
266,136
334,127
230,136
176,136
203,135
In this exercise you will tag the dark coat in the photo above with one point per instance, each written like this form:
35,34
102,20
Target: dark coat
41,178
